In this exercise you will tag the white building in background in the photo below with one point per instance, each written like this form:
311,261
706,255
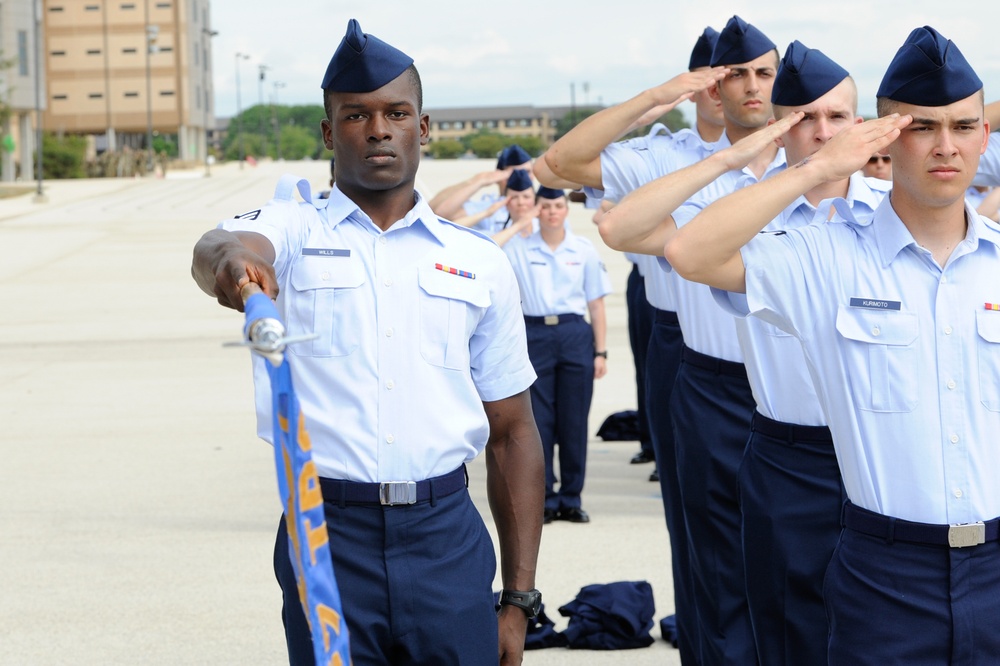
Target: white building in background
17,87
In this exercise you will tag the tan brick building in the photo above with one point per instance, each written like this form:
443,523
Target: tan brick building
101,80
17,86
537,121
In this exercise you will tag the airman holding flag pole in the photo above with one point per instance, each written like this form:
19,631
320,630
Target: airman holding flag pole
420,365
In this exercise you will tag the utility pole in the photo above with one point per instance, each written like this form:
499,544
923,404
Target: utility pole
260,99
39,195
151,33
239,108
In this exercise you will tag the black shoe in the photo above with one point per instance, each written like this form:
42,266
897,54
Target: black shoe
642,457
655,476
574,515
550,515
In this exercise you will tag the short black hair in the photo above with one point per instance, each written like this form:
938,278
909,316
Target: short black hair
410,71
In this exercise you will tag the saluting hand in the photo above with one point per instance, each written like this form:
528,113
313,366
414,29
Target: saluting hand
746,149
684,85
850,149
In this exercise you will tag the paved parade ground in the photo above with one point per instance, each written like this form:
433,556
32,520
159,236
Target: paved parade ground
137,506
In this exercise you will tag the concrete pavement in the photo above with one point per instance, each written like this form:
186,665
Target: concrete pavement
138,507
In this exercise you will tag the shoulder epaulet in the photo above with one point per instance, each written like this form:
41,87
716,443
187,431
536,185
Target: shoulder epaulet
288,183
474,232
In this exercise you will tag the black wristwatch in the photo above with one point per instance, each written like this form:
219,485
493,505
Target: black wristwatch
530,602
603,354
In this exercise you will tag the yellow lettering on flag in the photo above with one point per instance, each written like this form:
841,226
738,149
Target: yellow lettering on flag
304,442
329,619
317,538
310,495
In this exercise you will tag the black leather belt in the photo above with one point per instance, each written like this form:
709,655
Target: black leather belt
665,317
393,493
896,529
553,320
790,432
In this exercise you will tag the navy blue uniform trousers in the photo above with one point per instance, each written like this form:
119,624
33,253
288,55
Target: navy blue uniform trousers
711,408
640,328
563,358
891,600
415,584
662,360
791,497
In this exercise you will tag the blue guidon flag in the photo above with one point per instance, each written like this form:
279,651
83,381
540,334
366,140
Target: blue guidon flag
298,485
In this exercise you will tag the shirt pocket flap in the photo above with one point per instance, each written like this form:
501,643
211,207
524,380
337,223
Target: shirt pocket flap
327,273
447,285
877,326
988,324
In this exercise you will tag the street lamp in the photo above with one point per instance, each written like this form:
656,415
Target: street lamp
39,195
239,108
204,86
278,85
260,96
151,33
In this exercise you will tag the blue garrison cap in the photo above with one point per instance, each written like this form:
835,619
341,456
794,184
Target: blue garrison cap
928,70
363,63
519,180
513,155
549,193
804,76
739,42
701,54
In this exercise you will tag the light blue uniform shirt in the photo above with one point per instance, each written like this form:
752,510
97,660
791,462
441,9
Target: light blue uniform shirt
393,387
628,165
493,223
905,356
779,377
562,281
706,327
988,173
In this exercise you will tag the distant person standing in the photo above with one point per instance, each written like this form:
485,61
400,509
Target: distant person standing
561,278
878,166
456,202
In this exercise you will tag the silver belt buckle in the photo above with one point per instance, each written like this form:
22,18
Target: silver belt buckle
966,534
391,493
551,320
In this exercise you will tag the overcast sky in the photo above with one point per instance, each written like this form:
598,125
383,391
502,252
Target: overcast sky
530,51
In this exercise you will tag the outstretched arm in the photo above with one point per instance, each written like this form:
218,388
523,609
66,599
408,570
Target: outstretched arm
515,479
599,323
448,202
707,249
576,157
475,218
519,225
642,221
224,261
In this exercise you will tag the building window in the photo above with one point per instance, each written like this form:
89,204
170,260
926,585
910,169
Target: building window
477,124
163,5
59,97
130,50
458,124
57,53
492,124
166,93
197,97
128,5
510,123
22,52
96,95
92,8
166,49
131,94
55,9
196,51
523,123
93,51
444,125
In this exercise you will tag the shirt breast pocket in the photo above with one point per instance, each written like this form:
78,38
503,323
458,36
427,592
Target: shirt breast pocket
879,349
449,307
324,291
988,349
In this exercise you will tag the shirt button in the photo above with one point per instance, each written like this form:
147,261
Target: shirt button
876,330
389,439
958,492
947,330
390,384
954,439
388,282
944,278
325,276
382,240
951,384
388,332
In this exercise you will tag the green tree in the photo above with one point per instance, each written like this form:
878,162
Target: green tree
166,143
63,157
447,149
298,143
484,143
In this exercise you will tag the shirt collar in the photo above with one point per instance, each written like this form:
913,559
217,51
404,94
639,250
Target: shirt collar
340,207
892,236
861,201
